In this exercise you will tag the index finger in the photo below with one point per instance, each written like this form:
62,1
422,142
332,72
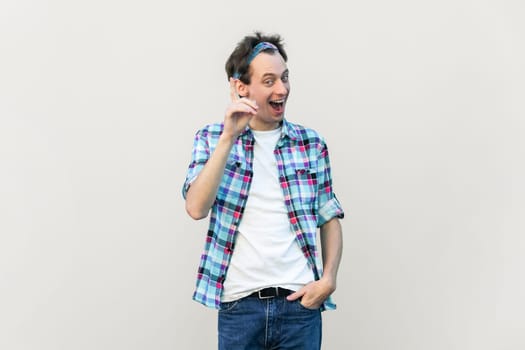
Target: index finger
233,91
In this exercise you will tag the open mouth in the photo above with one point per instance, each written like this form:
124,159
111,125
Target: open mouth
278,104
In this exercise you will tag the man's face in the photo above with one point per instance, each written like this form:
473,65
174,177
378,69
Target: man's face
270,88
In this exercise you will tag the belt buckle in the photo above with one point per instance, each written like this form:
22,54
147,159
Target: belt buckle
271,296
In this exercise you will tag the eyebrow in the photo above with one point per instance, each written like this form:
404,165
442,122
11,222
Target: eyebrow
286,71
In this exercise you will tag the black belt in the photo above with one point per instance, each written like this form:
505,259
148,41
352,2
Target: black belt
271,292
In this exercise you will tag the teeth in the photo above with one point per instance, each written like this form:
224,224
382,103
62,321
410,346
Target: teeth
278,101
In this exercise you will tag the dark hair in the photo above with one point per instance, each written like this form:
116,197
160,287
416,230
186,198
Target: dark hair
238,60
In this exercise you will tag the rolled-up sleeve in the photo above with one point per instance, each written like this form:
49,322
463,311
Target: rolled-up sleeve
328,206
199,157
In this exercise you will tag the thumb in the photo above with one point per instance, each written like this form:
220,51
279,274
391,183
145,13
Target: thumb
295,295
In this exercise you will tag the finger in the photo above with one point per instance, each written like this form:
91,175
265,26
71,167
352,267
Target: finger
241,108
233,90
243,113
251,103
295,295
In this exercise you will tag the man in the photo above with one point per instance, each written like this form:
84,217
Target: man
268,184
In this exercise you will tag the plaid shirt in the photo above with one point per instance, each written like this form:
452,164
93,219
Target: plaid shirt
304,175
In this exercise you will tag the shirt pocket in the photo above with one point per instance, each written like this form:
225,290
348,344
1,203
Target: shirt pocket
302,181
234,163
235,180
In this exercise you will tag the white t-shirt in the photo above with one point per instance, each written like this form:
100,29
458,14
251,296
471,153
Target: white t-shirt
265,252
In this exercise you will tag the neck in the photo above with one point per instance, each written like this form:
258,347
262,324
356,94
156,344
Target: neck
264,126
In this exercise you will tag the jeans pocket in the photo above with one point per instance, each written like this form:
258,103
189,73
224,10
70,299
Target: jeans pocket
304,307
228,306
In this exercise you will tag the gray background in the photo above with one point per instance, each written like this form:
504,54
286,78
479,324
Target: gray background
422,107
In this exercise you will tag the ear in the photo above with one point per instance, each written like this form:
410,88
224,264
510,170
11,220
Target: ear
242,88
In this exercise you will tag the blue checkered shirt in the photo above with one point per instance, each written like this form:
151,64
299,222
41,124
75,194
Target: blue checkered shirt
304,175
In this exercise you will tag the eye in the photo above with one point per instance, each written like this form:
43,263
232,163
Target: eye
268,82
285,78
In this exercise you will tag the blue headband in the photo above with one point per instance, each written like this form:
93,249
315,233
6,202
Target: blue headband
264,45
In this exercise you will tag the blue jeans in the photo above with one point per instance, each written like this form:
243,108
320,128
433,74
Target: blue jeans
270,324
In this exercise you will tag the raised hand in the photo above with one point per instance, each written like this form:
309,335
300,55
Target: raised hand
238,113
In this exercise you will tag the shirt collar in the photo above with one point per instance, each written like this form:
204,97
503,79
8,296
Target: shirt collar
287,129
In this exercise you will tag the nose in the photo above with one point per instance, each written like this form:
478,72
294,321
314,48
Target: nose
281,88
